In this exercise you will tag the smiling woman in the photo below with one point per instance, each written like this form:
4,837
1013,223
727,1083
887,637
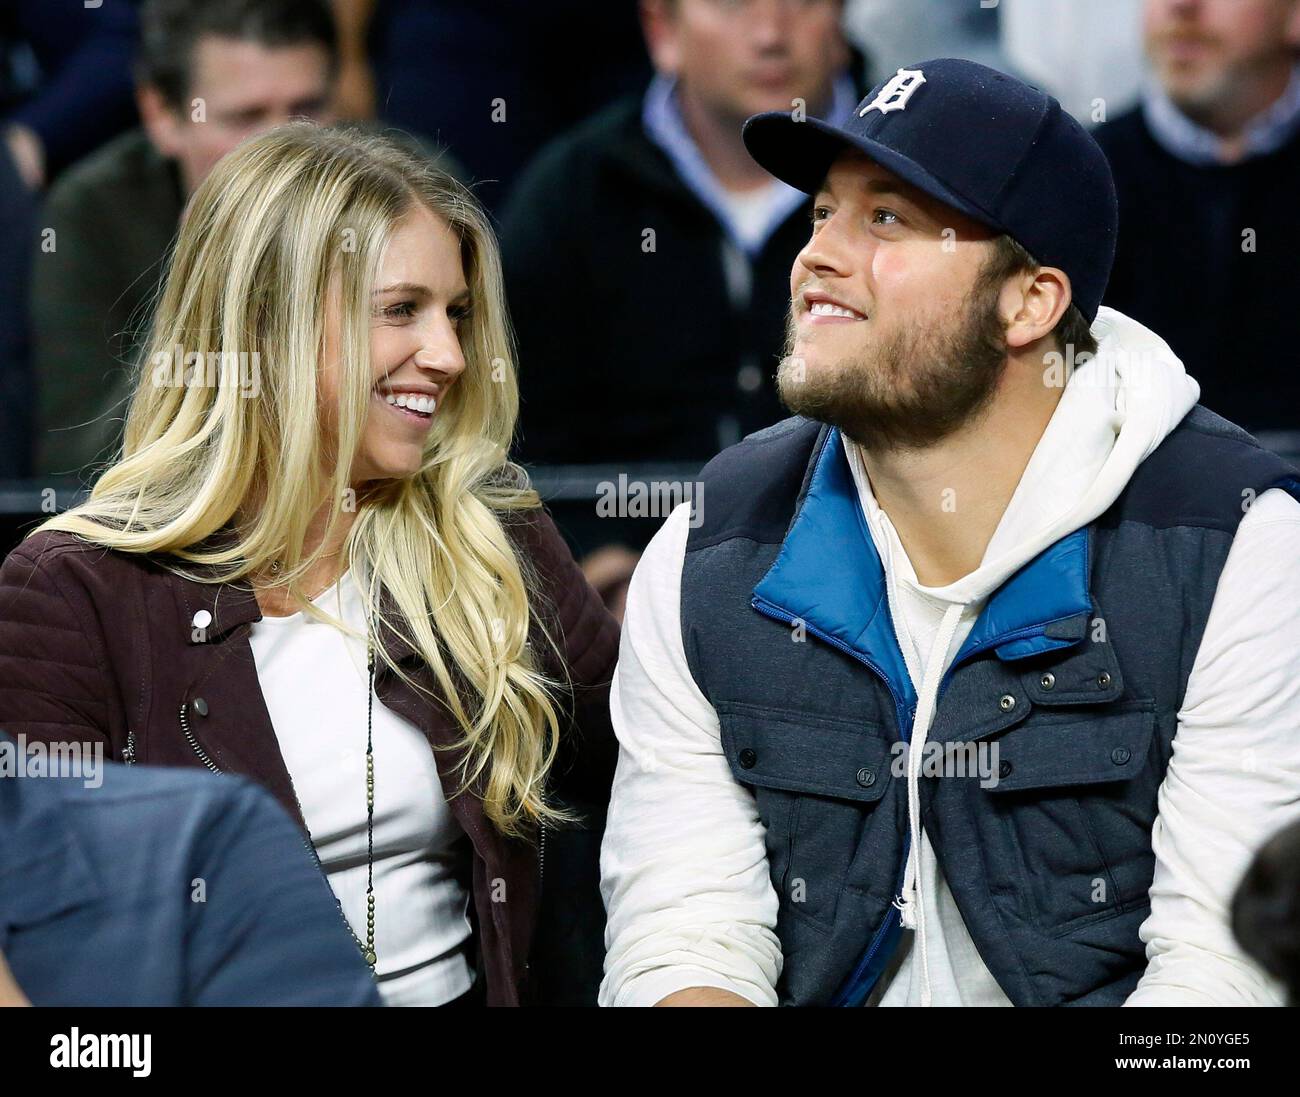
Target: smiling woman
418,307
363,485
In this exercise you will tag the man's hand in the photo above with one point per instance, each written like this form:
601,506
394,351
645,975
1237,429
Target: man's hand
703,996
28,154
10,994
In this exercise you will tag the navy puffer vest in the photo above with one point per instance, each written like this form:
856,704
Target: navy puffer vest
1076,669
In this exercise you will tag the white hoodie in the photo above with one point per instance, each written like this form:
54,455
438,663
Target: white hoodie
684,872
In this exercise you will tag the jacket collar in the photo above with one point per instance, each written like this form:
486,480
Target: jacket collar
829,576
213,610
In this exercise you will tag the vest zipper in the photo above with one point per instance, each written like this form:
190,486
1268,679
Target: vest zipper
769,610
128,752
904,716
847,991
848,994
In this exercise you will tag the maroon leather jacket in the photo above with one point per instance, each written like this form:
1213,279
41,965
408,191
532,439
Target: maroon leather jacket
101,646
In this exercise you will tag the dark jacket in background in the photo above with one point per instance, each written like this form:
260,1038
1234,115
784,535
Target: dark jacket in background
83,91
99,904
496,79
18,207
113,217
101,647
627,354
1180,268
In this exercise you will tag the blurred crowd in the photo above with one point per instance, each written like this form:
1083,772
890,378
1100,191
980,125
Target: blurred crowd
647,257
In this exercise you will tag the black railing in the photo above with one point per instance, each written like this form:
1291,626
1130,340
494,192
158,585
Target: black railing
592,504
589,501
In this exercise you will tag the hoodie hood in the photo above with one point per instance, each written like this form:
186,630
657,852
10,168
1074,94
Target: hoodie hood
1116,409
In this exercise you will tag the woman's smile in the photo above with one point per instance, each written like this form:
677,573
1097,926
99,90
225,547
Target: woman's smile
415,409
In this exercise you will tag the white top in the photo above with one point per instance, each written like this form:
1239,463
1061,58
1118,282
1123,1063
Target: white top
314,680
684,871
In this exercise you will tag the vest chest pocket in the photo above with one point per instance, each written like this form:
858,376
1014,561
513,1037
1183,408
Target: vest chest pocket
1076,800
817,781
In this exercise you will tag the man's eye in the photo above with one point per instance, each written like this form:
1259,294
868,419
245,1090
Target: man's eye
819,213
876,217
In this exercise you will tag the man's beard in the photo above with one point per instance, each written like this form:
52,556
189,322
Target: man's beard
912,390
1199,95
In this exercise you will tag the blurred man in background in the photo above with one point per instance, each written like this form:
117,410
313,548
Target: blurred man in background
493,79
210,74
1207,168
65,87
646,255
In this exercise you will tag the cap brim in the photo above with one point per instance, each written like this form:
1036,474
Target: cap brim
801,153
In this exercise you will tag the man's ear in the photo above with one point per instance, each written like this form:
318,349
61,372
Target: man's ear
1038,301
659,25
160,120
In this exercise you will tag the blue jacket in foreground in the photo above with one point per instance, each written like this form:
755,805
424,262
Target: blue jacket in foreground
166,887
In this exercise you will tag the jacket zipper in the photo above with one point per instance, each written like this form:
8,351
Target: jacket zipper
541,858
207,761
194,743
128,752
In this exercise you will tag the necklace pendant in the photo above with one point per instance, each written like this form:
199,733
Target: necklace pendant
370,957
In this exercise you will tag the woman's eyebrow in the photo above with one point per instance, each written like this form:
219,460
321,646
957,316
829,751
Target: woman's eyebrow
404,287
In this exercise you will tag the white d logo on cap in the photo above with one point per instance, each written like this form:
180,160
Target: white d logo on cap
895,94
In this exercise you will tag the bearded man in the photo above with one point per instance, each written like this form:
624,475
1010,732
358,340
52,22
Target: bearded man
976,682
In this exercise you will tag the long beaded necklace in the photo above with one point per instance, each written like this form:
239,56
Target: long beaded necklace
368,953
368,949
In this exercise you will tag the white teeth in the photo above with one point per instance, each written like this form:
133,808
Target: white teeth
412,402
826,308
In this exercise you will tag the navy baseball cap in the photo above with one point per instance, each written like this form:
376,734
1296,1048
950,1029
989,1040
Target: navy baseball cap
980,141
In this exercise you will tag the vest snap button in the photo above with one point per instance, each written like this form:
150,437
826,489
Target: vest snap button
1006,702
202,619
1004,769
1103,679
747,758
200,706
866,777
1048,680
1120,755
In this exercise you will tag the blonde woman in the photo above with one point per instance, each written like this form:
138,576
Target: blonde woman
314,565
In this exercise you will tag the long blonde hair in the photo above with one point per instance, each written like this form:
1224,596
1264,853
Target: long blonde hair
283,224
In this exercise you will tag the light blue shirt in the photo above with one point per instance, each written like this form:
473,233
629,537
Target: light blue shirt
662,118
1267,132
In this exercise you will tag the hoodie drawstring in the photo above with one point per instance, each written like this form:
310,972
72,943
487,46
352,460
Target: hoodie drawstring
911,902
